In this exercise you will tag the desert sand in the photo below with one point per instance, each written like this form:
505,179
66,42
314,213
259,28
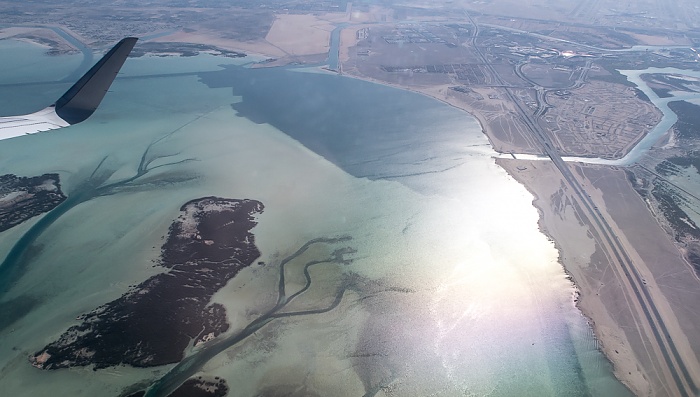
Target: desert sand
292,38
348,39
616,319
300,34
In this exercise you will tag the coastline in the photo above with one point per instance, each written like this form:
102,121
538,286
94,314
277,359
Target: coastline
622,336
611,338
613,342
625,338
43,37
556,220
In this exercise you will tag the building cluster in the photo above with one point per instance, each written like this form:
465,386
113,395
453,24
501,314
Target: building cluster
413,35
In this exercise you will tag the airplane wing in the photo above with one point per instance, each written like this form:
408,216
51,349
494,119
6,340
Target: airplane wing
78,103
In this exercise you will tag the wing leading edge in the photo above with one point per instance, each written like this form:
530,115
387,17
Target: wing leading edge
78,103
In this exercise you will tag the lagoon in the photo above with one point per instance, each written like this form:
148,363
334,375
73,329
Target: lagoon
459,291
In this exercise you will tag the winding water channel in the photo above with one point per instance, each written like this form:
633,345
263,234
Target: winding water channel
667,121
193,363
334,50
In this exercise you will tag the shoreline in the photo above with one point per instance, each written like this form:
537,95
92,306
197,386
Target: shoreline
607,342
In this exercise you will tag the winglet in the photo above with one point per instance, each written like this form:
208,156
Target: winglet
81,100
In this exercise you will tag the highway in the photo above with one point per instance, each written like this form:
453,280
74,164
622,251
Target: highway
678,379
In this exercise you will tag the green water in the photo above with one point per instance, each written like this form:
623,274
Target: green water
461,294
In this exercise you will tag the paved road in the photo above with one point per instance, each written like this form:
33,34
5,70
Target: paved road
681,383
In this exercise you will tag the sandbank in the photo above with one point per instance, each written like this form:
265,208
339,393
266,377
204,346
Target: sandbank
45,38
617,320
15,31
660,40
348,39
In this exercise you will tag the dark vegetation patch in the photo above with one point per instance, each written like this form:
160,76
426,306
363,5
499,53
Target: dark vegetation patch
688,124
687,129
154,322
613,76
662,92
616,77
667,168
201,388
22,198
641,185
668,203
692,159
663,84
182,49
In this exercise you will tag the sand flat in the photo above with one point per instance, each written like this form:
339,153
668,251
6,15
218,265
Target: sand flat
348,39
615,318
300,34
601,299
669,278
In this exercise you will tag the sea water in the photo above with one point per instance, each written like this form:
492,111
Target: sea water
459,293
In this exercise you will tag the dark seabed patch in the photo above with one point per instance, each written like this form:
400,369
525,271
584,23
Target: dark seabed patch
192,364
16,308
153,323
368,130
688,119
22,198
199,387
202,388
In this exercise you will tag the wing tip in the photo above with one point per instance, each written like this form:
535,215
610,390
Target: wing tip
81,100
130,40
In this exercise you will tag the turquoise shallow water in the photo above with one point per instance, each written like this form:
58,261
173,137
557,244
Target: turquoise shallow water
485,308
21,70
